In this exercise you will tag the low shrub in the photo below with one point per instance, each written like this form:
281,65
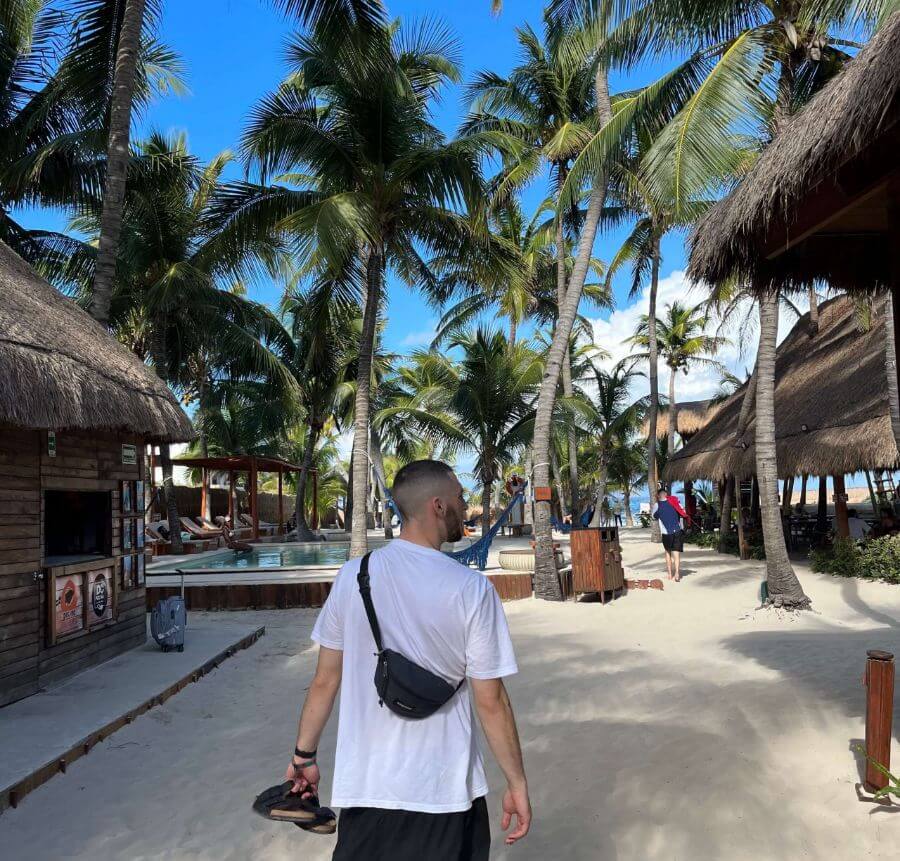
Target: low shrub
645,519
875,559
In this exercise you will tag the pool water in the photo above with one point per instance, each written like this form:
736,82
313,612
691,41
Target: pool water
268,556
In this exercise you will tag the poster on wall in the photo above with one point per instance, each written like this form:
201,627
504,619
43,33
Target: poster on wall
139,502
100,596
141,574
127,498
127,542
141,535
69,617
127,572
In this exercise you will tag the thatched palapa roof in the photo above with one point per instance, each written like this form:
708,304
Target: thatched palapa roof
831,407
63,371
690,417
814,206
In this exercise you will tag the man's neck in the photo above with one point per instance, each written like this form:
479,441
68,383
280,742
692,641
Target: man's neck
416,533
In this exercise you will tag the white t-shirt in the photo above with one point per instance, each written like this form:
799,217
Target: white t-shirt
449,620
858,527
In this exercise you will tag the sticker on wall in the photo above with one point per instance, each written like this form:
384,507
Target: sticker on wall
141,576
127,572
127,499
68,604
127,542
139,502
100,592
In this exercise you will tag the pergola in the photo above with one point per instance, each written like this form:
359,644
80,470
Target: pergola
252,465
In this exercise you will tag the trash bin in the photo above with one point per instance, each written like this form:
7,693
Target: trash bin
597,560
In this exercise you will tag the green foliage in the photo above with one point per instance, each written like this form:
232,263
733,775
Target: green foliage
875,559
645,518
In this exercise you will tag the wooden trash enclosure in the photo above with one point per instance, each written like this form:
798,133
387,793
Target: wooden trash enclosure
597,560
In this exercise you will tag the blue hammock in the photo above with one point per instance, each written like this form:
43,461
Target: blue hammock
477,553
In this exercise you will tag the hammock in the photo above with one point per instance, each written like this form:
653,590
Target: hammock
477,553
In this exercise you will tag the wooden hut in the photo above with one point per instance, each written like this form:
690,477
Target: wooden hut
822,203
76,409
831,406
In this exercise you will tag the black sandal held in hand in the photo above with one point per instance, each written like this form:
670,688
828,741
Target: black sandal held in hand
279,804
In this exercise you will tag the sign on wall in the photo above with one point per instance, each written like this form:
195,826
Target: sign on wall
69,617
100,596
129,454
51,443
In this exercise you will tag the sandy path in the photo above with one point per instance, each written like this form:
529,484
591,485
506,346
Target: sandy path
674,725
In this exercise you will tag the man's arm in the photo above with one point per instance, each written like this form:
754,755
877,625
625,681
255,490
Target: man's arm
316,710
499,723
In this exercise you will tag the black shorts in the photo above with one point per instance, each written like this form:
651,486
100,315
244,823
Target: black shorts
674,542
373,834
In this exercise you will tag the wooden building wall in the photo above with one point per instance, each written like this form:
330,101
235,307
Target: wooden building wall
83,461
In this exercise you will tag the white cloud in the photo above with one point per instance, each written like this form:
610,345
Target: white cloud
738,355
421,338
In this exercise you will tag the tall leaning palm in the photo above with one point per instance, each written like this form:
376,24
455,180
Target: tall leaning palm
683,343
378,181
548,104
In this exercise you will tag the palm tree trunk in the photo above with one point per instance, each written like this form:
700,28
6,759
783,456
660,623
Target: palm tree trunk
117,159
557,481
602,481
672,414
486,507
783,585
873,498
358,542
626,494
348,501
822,506
378,468
512,330
568,389
653,350
725,519
304,533
813,312
546,576
158,352
803,481
748,403
787,495
890,366
527,514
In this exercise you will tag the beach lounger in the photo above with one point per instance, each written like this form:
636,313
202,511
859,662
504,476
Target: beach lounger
265,527
197,531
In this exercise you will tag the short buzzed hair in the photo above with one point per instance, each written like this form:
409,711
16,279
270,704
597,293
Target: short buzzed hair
416,481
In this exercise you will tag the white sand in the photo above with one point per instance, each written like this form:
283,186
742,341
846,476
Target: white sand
673,725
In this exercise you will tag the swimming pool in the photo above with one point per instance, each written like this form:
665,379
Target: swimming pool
263,557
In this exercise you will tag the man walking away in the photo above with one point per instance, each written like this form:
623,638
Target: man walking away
414,790
668,512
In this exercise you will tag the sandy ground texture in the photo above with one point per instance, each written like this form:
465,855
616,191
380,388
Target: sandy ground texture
668,725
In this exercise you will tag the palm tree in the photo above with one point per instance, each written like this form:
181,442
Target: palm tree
608,416
683,342
548,103
55,91
628,470
379,182
117,157
322,320
175,302
488,405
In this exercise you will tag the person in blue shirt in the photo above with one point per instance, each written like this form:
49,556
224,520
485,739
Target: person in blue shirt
668,512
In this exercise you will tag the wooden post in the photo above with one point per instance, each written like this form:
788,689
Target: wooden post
879,683
280,505
231,499
254,503
841,524
203,491
822,507
314,522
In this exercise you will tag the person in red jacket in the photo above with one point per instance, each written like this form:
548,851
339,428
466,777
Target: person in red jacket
669,513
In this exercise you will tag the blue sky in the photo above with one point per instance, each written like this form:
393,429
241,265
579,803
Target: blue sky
233,51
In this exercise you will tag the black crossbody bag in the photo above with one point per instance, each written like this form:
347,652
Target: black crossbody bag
403,686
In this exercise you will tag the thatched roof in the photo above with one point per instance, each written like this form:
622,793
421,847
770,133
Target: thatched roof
858,112
832,384
61,370
690,417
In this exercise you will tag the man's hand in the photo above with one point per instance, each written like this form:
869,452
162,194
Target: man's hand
516,803
305,780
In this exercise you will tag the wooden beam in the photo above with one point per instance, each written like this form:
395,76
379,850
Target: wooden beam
254,503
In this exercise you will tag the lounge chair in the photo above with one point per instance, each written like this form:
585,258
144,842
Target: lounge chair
265,527
241,531
198,532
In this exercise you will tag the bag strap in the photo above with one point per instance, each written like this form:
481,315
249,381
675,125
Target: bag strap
366,591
